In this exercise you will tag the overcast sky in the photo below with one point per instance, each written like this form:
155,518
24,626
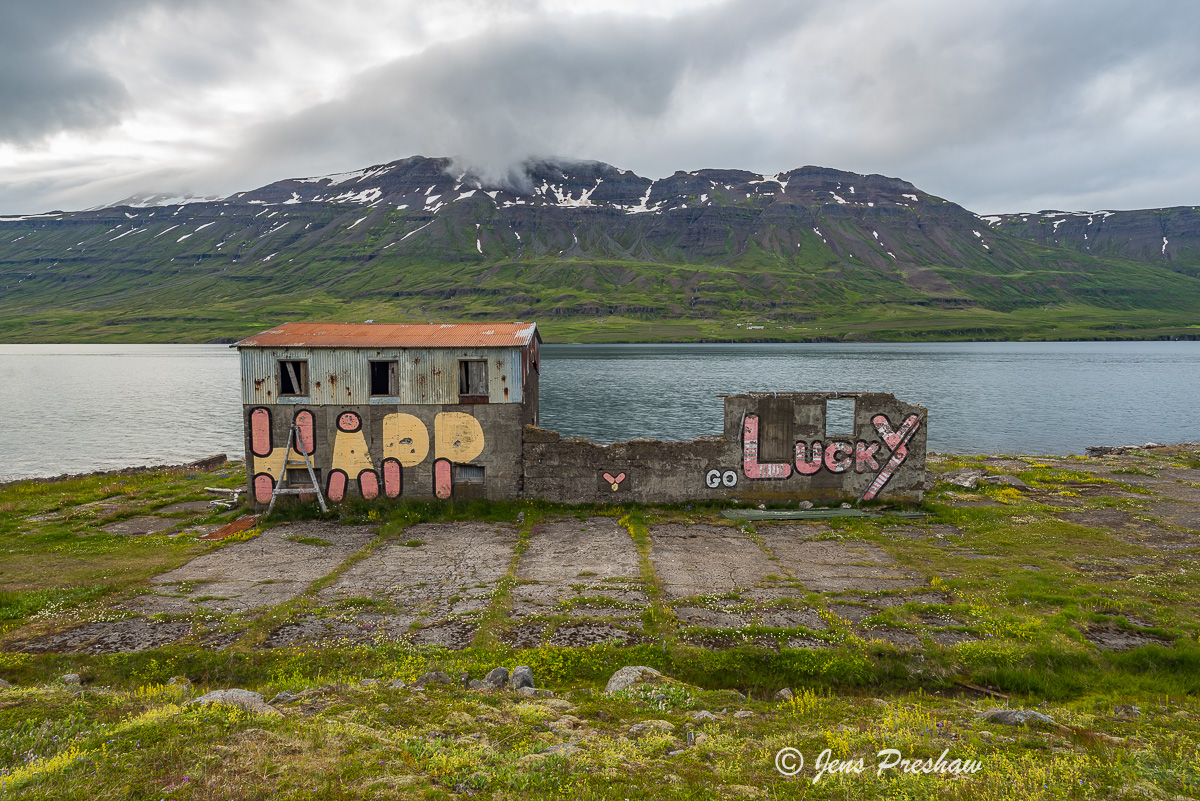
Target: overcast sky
999,106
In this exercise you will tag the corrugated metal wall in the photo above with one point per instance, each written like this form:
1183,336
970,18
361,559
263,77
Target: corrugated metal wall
343,377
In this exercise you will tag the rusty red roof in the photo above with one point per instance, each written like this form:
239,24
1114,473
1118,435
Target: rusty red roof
393,335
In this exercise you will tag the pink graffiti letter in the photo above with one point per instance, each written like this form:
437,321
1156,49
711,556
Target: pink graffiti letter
393,478
368,484
304,422
335,488
806,465
835,463
864,456
898,442
442,482
750,464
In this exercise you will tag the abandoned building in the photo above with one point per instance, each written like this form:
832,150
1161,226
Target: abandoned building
451,411
413,410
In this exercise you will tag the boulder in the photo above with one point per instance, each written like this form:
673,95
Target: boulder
534,692
285,697
967,478
649,726
703,715
522,676
1007,481
4,685
784,695
433,677
629,676
369,683
1019,717
476,684
242,699
743,713
180,681
496,679
71,679
398,684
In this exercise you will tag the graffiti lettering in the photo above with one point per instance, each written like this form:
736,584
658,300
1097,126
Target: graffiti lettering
864,456
835,463
806,466
615,481
750,464
717,478
898,442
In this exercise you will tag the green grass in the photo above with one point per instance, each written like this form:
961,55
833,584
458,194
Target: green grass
1018,573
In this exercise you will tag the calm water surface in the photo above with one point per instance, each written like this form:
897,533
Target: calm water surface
76,408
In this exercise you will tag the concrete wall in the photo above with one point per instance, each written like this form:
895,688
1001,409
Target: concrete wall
775,447
410,451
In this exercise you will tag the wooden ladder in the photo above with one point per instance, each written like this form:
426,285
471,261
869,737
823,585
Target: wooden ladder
292,445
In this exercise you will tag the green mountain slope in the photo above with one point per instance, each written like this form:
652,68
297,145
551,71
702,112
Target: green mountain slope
591,252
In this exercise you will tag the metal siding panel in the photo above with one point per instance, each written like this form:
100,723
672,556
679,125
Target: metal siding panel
425,375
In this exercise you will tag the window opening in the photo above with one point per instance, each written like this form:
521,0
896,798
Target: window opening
384,378
468,474
839,417
293,377
472,381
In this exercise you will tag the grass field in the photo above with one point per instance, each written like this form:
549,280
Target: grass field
1074,596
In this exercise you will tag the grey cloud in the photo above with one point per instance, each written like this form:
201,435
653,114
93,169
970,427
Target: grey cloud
46,82
544,88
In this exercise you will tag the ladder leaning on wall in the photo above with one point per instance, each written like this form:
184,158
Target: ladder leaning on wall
280,489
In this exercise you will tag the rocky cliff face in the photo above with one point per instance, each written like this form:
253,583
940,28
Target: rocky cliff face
1166,237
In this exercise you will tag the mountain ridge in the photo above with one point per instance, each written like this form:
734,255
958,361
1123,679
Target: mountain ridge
597,251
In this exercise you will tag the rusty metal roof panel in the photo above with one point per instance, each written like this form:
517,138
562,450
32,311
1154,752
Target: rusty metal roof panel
394,335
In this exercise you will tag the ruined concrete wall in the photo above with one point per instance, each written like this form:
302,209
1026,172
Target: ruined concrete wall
775,447
395,451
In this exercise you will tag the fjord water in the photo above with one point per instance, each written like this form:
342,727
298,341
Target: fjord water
77,408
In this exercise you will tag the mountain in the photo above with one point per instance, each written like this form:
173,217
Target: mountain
1166,237
590,251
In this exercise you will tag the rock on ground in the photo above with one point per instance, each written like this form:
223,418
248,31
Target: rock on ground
242,699
496,679
1019,717
522,676
629,676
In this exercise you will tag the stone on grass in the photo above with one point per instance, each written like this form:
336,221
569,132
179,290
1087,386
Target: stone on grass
534,692
285,697
522,676
648,726
497,678
476,684
180,681
71,679
743,713
784,695
1007,481
703,715
4,685
965,478
368,683
1019,717
398,684
629,676
433,677
242,699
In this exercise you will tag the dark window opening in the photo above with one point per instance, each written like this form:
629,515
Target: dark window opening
293,377
298,477
468,474
472,381
383,378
